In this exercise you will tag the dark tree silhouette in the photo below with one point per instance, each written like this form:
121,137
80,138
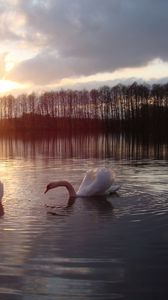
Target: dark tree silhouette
136,107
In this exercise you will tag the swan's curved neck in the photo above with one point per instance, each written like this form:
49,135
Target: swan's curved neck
68,185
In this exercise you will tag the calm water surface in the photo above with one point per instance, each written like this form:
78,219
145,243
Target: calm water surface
53,249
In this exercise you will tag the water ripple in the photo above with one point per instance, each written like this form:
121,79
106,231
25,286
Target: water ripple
113,249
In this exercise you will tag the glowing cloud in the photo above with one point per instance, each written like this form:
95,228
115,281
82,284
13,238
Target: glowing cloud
49,43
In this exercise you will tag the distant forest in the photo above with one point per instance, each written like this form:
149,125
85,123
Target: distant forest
136,108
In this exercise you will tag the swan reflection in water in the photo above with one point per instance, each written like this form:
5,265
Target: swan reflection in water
100,204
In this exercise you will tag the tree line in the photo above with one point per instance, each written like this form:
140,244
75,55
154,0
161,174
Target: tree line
136,106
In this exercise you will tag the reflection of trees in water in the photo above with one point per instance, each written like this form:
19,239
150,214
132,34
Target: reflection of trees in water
116,146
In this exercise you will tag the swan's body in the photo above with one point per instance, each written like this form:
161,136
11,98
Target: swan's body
1,190
97,182
1,196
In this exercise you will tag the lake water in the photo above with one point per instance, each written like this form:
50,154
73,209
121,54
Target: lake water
111,249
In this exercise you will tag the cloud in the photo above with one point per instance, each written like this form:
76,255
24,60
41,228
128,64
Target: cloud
124,81
9,17
2,65
85,37
46,68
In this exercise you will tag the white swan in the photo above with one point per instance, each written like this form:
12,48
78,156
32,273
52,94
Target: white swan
97,182
1,190
1,196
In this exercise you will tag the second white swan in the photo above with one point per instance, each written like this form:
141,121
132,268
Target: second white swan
97,182
1,190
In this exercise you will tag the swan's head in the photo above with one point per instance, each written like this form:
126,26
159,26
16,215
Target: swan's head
53,185
49,186
63,183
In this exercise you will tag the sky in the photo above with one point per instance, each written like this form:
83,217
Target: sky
54,44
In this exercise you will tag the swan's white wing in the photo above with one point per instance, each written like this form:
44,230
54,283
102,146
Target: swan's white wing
86,182
96,182
104,179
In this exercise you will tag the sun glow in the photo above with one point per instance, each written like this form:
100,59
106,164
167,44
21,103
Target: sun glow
7,86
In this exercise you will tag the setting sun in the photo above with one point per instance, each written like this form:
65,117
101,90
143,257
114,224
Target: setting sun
7,86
